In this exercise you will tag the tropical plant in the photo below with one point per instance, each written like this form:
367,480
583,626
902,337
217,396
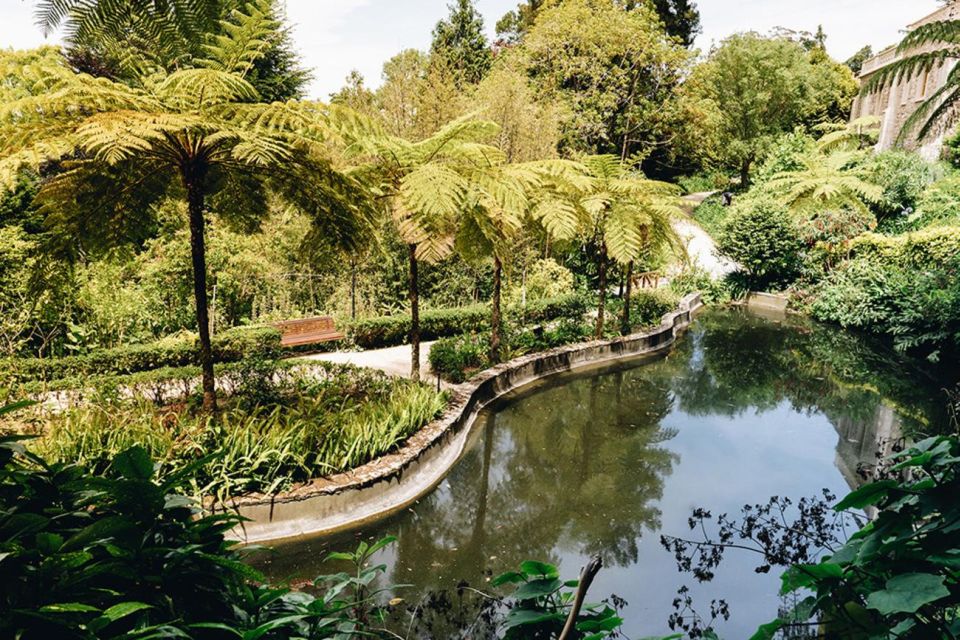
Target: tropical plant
825,181
196,133
853,136
625,214
426,186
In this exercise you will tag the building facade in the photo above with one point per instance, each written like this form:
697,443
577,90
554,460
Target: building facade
896,102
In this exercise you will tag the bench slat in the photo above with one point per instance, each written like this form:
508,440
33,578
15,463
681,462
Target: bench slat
308,331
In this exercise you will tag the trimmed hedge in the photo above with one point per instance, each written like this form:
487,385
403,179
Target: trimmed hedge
921,249
391,331
230,346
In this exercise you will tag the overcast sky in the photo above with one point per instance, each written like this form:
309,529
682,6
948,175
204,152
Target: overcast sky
336,36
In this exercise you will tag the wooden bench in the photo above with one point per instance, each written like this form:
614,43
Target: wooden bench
308,331
648,280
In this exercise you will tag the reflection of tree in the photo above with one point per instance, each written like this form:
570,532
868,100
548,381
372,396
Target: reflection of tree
737,362
569,467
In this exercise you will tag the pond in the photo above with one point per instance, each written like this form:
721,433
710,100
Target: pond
603,462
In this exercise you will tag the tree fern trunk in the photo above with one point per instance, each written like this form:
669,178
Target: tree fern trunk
602,268
193,182
414,316
495,320
625,325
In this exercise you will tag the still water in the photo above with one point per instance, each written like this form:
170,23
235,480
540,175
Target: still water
744,408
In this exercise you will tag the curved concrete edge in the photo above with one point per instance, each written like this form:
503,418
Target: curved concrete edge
393,482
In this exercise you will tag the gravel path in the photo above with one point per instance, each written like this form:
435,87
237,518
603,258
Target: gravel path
394,361
700,246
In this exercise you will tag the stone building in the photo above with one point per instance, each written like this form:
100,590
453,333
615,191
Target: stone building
895,103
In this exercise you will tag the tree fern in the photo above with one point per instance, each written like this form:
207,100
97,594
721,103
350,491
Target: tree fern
192,134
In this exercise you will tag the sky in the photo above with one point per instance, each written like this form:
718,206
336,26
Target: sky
335,37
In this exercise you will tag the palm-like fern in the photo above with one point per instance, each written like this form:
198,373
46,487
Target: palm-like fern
426,186
835,180
196,134
627,215
852,136
925,49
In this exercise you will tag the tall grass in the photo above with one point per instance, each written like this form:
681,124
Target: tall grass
334,425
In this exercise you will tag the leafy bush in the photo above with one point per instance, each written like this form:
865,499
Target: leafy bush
702,182
545,279
569,307
454,358
785,154
938,206
915,308
328,419
711,215
763,238
835,226
897,576
698,280
390,331
904,176
122,556
229,346
647,308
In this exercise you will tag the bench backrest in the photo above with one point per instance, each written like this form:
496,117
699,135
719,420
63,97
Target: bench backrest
318,324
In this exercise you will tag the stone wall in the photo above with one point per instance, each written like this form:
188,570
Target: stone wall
897,102
393,482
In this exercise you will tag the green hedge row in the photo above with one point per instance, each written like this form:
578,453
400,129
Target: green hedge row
390,331
229,346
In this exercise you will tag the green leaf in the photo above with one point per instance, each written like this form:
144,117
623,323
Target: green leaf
134,464
510,577
521,617
866,495
537,589
68,607
124,609
805,575
768,631
907,593
534,568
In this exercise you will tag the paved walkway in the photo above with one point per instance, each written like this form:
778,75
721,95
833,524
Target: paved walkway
700,246
394,361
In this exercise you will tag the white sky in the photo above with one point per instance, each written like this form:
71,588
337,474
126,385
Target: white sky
336,36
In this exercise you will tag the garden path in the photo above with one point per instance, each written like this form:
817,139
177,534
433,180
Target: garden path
394,361
700,246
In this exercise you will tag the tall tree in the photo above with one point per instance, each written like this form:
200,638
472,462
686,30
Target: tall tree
761,87
855,62
425,185
680,18
197,134
626,215
113,38
460,41
615,72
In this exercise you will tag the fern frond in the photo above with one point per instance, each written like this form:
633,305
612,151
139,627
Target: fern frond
244,39
199,89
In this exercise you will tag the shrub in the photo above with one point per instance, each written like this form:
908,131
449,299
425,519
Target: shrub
123,556
545,279
701,182
918,309
647,308
786,154
763,238
904,176
938,206
229,346
835,226
315,421
711,215
390,331
455,357
698,280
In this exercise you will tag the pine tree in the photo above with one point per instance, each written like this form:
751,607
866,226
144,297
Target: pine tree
460,41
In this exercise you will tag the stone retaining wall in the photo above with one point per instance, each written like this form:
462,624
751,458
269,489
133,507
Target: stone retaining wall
393,482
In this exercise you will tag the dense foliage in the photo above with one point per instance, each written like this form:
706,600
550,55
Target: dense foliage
763,238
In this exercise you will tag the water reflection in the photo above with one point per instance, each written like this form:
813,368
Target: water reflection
601,463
